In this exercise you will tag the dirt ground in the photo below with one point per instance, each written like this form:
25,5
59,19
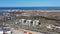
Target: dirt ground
16,31
21,31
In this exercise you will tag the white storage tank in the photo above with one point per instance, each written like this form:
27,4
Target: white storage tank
29,22
22,20
36,22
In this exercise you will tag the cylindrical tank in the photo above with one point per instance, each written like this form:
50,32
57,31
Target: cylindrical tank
36,22
22,20
29,22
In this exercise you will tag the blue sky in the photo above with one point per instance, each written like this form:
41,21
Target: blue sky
29,3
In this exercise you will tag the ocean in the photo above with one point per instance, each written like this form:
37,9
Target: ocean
28,8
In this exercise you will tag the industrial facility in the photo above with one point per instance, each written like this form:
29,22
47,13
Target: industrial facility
39,21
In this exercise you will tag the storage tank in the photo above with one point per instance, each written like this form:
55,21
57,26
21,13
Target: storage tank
36,22
22,20
29,22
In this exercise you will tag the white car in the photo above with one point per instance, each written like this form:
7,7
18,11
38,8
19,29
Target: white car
1,30
7,30
49,26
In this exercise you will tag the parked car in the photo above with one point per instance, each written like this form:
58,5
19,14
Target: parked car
1,30
50,26
7,30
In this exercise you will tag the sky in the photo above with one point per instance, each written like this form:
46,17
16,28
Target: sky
29,3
